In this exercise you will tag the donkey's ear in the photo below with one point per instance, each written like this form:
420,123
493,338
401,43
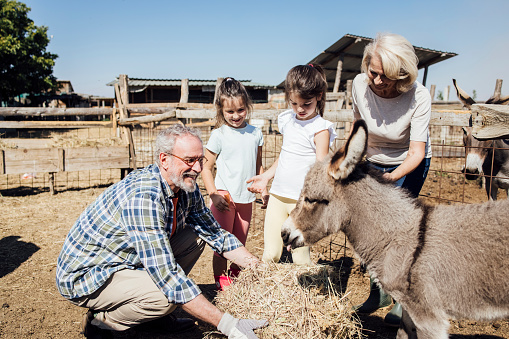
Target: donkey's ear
344,161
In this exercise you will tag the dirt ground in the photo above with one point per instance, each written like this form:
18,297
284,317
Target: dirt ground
33,225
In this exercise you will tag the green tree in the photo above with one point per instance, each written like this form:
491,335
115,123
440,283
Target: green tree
474,94
25,65
440,95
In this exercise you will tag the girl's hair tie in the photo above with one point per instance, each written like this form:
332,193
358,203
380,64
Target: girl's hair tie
311,65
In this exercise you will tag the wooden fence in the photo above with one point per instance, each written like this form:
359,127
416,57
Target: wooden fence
127,120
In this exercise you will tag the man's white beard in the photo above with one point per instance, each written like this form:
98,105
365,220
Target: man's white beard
180,183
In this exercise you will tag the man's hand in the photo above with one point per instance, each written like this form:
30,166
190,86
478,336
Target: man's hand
239,328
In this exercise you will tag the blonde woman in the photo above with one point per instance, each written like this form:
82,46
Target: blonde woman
397,111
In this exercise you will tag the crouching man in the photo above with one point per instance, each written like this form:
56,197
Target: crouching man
128,255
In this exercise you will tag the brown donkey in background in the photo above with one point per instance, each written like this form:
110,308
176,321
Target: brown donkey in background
439,262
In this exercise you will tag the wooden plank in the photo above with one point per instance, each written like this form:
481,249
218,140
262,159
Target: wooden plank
31,160
47,111
342,115
450,118
61,159
195,114
330,96
490,121
147,119
55,124
92,158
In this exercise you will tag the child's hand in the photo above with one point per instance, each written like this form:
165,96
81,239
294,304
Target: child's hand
259,184
220,202
265,199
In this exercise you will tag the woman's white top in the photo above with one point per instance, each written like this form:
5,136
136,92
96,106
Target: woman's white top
393,122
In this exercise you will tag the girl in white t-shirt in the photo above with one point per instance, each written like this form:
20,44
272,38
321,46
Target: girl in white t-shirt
306,139
236,148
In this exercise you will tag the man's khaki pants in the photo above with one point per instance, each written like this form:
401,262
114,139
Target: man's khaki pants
130,297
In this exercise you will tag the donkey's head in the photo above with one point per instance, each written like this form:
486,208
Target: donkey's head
320,204
475,154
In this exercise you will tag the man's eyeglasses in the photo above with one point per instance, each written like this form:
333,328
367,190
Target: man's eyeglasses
190,161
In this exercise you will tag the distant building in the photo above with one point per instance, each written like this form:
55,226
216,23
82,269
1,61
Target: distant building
65,97
200,91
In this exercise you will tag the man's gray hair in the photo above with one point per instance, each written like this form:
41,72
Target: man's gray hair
165,140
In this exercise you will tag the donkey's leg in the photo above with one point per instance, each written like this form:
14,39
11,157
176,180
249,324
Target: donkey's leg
431,328
406,327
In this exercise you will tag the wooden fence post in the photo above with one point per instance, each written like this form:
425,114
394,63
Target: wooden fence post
432,92
218,82
122,92
498,90
348,97
184,97
338,76
184,91
446,93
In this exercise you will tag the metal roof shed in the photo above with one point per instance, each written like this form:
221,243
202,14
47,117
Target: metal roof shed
350,49
169,90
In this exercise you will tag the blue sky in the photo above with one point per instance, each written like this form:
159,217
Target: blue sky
96,40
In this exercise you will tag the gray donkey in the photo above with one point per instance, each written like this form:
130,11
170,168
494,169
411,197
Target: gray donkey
438,262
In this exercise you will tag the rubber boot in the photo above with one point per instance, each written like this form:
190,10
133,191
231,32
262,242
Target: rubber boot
377,299
222,282
393,318
233,273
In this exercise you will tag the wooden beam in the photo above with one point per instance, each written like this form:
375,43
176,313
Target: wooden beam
490,121
55,124
47,111
147,119
425,75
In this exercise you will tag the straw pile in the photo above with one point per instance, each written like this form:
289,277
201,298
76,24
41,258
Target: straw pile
298,302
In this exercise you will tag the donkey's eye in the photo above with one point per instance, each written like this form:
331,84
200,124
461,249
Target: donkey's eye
317,201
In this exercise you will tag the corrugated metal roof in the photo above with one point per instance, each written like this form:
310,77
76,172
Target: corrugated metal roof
351,48
140,82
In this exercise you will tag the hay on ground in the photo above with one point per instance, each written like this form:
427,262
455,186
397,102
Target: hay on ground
298,302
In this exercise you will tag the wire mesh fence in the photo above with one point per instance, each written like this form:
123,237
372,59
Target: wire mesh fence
446,182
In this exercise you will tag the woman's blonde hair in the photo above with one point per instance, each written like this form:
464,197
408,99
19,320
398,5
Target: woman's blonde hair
398,57
307,81
230,89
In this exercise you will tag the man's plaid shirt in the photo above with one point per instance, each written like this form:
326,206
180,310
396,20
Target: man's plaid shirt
128,226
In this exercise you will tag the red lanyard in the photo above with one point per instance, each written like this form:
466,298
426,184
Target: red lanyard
174,227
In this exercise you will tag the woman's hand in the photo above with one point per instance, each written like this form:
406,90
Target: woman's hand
220,202
389,177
